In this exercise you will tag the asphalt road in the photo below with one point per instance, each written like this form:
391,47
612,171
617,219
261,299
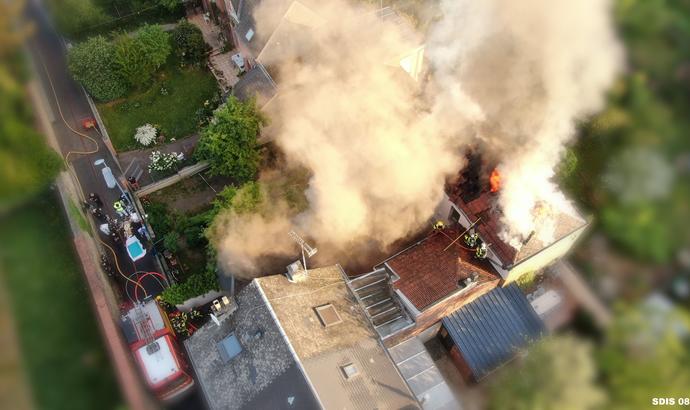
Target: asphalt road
48,53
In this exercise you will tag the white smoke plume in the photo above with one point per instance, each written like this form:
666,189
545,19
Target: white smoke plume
509,77
530,70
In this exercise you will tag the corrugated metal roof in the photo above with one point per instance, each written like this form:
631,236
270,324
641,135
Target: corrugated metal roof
490,330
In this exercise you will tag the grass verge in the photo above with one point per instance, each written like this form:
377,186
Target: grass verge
62,349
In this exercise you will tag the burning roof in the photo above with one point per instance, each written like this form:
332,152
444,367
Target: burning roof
477,196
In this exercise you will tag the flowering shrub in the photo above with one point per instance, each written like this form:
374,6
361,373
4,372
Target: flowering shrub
161,162
146,134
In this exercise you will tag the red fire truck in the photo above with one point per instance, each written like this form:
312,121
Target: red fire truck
154,346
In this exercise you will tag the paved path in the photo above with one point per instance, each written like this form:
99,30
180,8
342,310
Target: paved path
135,163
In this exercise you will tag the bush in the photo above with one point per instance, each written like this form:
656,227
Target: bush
162,162
159,216
92,64
146,134
189,42
195,285
171,241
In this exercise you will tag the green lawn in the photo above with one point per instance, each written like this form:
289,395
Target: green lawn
175,113
62,349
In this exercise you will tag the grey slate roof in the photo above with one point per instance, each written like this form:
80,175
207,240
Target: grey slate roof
264,375
490,330
255,83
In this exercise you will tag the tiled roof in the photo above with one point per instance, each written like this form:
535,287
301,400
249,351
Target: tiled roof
489,331
489,228
428,273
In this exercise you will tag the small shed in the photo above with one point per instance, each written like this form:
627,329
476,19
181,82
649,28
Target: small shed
488,332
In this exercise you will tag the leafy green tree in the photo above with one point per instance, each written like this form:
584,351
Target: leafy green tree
229,141
92,64
139,56
155,43
557,373
646,354
189,42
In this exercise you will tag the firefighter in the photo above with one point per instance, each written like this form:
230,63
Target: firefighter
439,225
95,200
481,251
471,239
119,208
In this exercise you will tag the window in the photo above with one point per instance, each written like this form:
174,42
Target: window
349,370
328,315
229,348
454,215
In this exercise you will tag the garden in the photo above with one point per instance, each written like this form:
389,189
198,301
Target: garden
183,215
172,104
145,80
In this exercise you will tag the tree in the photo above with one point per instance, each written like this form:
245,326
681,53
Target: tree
155,43
646,354
92,63
189,42
229,141
557,373
139,56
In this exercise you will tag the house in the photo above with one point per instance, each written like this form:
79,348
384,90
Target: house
302,344
414,289
470,203
287,33
438,289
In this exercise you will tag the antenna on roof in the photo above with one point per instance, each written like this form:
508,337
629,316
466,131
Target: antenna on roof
306,249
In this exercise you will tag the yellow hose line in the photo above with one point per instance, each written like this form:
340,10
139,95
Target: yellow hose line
81,134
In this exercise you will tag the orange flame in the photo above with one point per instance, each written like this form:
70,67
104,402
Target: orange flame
495,180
